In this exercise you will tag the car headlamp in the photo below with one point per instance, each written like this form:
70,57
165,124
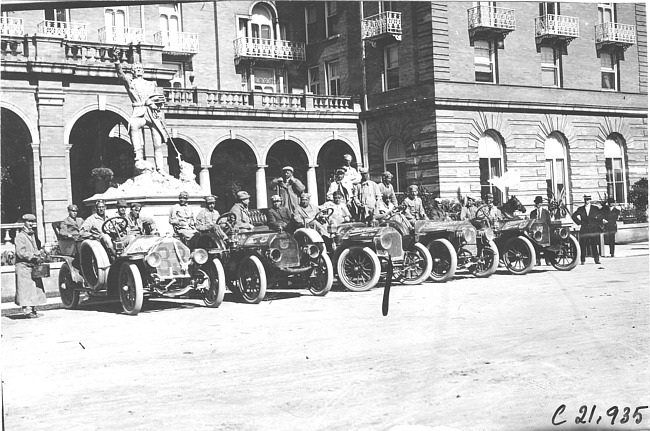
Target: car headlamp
385,241
563,232
200,256
538,233
154,259
312,251
274,254
488,234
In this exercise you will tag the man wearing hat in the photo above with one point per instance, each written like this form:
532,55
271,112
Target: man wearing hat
121,206
280,218
29,292
71,225
589,219
366,195
206,219
386,188
140,225
438,213
340,213
307,216
240,210
539,212
493,213
92,228
414,207
610,215
181,217
289,188
468,211
341,185
351,175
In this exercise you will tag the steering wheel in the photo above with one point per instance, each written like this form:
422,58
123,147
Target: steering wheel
325,213
482,212
116,227
230,219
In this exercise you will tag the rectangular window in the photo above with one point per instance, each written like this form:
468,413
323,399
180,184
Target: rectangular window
485,61
387,6
311,23
615,179
391,67
331,19
549,8
490,168
178,81
333,78
58,15
609,71
314,79
398,169
606,12
551,67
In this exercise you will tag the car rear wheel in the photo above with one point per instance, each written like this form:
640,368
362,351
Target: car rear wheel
94,264
69,296
358,268
445,260
322,277
252,280
131,289
213,296
417,264
519,255
487,261
567,258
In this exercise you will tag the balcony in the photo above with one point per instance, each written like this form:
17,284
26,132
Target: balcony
559,28
385,24
256,48
490,21
121,35
11,26
177,42
613,34
65,30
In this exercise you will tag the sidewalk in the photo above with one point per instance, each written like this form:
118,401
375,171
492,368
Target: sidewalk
622,251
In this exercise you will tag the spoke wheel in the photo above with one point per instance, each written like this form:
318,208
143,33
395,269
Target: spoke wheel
213,296
252,280
131,290
322,277
69,296
487,261
94,264
519,255
567,258
358,268
445,260
417,264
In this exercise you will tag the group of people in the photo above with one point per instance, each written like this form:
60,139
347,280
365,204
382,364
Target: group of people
593,221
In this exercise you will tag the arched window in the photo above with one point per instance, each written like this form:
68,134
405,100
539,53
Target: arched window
615,164
490,153
395,163
262,23
556,167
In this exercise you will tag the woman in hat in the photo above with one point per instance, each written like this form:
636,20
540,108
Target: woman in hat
29,292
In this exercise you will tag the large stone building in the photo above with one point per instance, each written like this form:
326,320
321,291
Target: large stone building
447,95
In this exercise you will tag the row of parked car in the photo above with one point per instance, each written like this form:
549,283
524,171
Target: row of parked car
249,263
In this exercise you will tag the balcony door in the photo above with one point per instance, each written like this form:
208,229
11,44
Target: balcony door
549,8
262,23
170,21
606,12
115,22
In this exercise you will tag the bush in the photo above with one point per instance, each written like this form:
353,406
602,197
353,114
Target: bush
639,198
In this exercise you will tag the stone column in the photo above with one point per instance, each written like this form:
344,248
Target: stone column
204,179
312,185
260,186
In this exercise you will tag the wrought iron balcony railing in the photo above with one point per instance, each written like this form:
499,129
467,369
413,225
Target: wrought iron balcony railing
121,35
385,23
613,33
489,19
66,30
254,47
557,26
11,26
177,41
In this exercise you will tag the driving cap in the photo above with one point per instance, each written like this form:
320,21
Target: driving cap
210,198
340,171
539,199
73,207
337,193
489,195
287,168
587,197
99,201
413,187
183,195
136,205
387,174
347,156
243,195
121,203
29,217
305,195
276,198
363,170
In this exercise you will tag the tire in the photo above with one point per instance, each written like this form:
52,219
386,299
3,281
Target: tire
130,287
519,255
213,297
252,280
358,268
324,276
488,261
445,260
69,296
94,264
418,264
568,257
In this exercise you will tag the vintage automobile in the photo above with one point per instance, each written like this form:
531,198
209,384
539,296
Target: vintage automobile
149,266
522,242
262,259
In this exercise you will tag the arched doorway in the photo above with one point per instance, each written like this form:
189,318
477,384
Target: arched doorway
17,168
94,144
188,155
330,157
286,153
233,169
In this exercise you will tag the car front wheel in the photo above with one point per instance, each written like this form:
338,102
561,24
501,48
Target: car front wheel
252,280
69,296
417,264
213,296
444,258
358,268
567,258
131,289
487,261
322,277
519,255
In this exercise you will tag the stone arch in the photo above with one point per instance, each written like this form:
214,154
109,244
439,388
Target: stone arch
290,138
614,125
269,5
83,111
285,152
236,137
485,121
234,167
556,123
189,152
353,148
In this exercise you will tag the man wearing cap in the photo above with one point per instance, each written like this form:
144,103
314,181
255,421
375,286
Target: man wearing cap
540,212
181,217
437,213
307,216
140,225
71,225
414,207
366,195
341,185
468,211
121,206
386,188
92,228
206,219
289,188
493,213
279,217
351,175
589,219
240,210
29,292
610,215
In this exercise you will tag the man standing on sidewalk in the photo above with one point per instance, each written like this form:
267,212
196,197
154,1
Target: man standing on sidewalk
588,217
29,292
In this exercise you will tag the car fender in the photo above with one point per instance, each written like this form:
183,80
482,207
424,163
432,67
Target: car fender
306,236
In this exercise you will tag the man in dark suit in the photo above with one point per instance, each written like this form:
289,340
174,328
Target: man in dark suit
610,214
539,212
590,220
279,217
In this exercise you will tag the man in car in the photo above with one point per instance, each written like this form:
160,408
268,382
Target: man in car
279,217
121,206
92,228
240,210
414,207
307,216
71,225
140,225
386,188
493,212
341,213
366,195
181,218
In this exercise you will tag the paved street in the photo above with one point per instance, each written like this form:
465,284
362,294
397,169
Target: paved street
497,354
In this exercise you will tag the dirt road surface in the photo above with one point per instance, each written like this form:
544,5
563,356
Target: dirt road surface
497,354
